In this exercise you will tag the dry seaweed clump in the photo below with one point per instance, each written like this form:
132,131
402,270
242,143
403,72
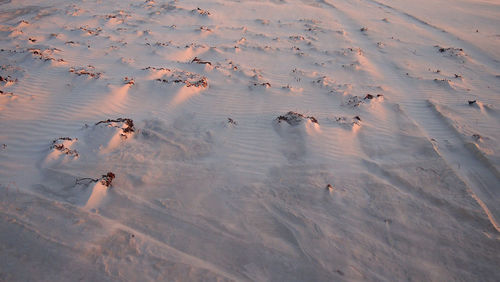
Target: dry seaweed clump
91,31
346,122
105,179
293,118
370,96
451,51
199,83
201,12
129,80
205,28
264,84
58,144
156,69
126,124
8,80
6,93
200,61
178,76
45,54
83,71
355,101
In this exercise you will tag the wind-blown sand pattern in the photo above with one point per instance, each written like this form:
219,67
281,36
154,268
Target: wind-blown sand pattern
272,140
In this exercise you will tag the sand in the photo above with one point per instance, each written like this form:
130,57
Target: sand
276,140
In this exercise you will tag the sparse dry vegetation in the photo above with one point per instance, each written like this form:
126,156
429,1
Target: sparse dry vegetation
129,125
58,144
105,179
293,118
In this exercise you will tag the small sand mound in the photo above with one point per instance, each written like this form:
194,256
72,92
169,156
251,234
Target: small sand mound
95,190
98,191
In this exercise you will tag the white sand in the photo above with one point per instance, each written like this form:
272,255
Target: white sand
211,184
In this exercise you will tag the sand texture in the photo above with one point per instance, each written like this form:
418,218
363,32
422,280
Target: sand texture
266,140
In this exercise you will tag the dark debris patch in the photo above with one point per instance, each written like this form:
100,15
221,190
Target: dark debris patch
179,76
129,128
199,61
451,51
441,80
200,83
370,96
264,84
201,12
156,69
442,50
344,121
205,28
91,31
58,144
46,54
105,179
87,72
129,80
477,137
293,118
354,101
6,93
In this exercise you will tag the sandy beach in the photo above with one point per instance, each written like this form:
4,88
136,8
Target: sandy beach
266,140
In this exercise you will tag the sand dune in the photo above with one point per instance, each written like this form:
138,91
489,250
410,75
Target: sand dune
293,140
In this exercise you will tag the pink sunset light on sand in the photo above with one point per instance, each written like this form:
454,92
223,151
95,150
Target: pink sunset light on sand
269,140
